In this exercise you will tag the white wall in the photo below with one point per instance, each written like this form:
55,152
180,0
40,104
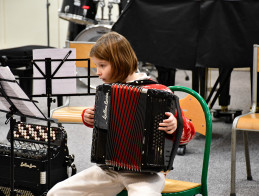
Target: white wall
24,22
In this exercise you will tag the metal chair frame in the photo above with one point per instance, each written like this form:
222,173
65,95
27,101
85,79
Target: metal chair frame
251,121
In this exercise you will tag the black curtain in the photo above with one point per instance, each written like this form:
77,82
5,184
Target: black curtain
228,30
162,32
184,34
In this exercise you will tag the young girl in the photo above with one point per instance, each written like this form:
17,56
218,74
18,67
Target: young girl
116,62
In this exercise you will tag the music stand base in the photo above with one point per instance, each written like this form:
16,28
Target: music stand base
228,116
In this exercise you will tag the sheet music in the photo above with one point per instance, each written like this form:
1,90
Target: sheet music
12,89
4,105
59,86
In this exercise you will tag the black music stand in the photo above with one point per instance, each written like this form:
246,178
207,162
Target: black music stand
14,101
49,75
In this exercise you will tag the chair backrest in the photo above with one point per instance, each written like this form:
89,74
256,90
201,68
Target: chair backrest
82,52
193,111
208,119
255,74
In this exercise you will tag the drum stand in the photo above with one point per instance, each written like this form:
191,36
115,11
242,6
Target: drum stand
47,6
110,6
224,112
102,5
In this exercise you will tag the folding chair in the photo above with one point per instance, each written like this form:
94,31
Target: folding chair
191,103
67,113
246,122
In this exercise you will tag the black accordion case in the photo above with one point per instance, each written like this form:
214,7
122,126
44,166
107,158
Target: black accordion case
31,159
126,135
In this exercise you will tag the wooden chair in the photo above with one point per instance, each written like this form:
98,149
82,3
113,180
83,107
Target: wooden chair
67,113
82,52
246,122
193,104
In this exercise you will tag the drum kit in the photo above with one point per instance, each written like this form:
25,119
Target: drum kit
84,13
85,26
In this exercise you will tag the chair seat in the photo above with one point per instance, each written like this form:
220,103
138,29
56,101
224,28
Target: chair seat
68,114
172,186
248,122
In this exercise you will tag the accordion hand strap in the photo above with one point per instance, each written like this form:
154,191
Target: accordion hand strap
178,135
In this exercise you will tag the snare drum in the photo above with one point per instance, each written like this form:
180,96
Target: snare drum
92,33
79,11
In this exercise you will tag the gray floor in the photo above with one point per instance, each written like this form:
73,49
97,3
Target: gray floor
186,167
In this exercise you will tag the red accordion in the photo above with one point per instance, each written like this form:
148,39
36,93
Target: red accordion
126,135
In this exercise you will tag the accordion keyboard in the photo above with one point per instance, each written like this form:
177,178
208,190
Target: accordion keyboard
37,133
158,136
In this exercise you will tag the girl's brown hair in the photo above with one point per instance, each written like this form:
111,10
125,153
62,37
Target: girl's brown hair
116,49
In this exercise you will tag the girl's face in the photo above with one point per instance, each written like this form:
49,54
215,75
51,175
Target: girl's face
104,69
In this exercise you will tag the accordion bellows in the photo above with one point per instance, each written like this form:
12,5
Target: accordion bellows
126,134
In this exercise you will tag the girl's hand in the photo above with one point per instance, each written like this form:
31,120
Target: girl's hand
168,125
89,116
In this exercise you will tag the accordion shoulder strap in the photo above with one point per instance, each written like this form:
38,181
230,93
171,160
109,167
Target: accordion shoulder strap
142,82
